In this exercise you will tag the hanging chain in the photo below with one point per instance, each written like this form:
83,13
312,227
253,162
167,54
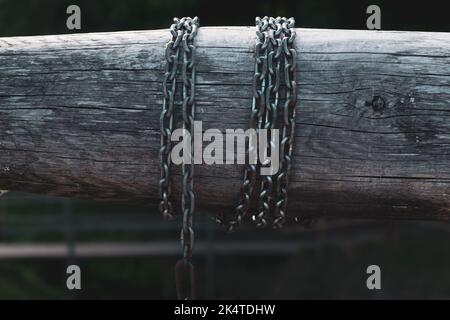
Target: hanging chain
273,52
271,109
288,127
185,266
180,51
256,118
187,169
172,56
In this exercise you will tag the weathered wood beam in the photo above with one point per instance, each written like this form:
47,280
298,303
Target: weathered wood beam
79,116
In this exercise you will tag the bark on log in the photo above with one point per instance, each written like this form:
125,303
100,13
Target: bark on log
79,116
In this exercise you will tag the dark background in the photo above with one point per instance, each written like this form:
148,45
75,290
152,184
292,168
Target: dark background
33,17
327,261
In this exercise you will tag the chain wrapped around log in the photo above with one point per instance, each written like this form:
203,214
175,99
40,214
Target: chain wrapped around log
79,117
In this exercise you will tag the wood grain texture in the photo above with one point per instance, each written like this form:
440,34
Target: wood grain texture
79,116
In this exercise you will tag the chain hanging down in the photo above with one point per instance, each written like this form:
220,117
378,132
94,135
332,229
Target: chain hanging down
274,54
187,169
271,110
288,126
180,51
256,119
172,56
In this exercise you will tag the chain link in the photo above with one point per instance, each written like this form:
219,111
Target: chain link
273,53
288,126
187,169
256,119
172,56
180,50
271,110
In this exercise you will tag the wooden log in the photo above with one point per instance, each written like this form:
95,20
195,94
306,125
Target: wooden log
79,117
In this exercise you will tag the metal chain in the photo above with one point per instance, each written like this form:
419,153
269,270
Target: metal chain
180,50
288,127
187,169
271,110
256,119
273,52
172,56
